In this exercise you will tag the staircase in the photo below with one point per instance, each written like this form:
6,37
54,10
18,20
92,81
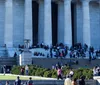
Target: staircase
8,61
3,52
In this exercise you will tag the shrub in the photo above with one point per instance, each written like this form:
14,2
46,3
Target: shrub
54,73
47,74
16,70
39,71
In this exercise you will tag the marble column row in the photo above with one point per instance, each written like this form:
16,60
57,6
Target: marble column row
8,35
65,23
45,22
45,31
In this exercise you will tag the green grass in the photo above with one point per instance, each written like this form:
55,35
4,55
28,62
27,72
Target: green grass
11,77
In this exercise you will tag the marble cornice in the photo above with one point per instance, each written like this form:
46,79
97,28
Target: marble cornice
71,0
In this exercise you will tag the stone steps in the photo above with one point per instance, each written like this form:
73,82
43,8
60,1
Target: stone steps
7,61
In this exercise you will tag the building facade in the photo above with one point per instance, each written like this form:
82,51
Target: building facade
50,22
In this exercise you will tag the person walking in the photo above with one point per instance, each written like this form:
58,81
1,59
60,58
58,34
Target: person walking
30,82
18,81
59,73
7,83
82,81
67,81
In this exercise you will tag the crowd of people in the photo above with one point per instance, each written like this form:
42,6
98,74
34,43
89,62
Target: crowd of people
63,51
76,51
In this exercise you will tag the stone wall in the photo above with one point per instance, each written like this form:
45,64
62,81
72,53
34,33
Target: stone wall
48,62
52,82
9,61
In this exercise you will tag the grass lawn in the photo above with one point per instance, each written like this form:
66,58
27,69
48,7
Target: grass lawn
11,77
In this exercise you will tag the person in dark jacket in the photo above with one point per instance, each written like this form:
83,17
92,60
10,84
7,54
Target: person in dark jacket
18,81
82,81
30,82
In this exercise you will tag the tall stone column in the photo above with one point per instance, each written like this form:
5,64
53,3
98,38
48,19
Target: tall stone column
67,23
28,21
41,23
60,21
86,22
8,36
47,22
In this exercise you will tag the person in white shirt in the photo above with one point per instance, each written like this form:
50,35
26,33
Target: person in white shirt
67,81
26,70
94,71
71,73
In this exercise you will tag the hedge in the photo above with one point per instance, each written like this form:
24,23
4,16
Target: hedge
35,70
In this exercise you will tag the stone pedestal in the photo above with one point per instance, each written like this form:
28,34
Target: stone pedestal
25,58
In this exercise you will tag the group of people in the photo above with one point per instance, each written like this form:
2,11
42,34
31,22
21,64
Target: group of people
69,77
68,81
76,51
63,51
19,82
42,45
39,54
24,70
60,76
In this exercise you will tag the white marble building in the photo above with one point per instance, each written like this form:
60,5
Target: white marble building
50,21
